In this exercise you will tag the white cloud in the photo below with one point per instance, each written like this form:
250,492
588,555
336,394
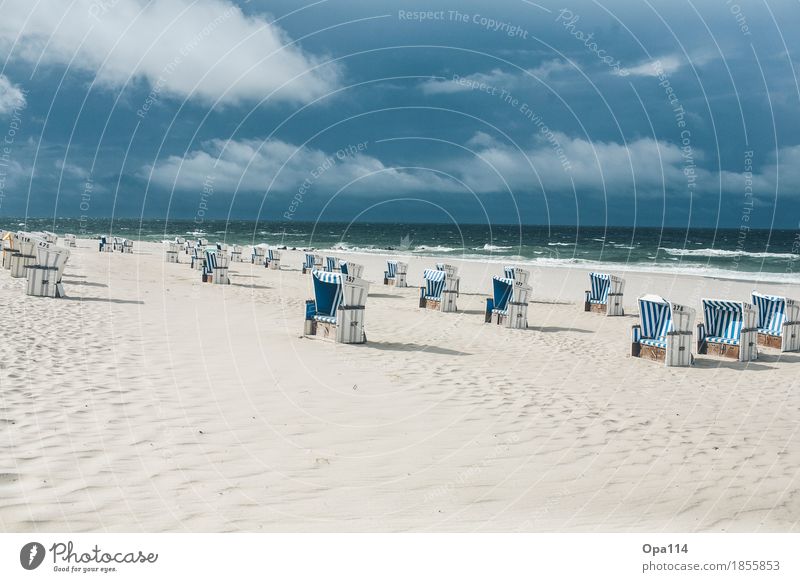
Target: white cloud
11,96
496,79
667,64
205,48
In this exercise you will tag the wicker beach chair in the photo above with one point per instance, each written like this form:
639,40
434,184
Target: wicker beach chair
337,310
664,333
729,329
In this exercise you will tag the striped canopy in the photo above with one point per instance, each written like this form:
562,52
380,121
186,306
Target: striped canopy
391,269
656,320
434,281
601,283
771,313
503,290
270,255
327,292
211,261
723,320
331,263
309,261
510,271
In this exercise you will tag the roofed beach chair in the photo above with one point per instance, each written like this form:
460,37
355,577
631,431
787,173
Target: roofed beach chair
198,258
215,267
172,250
332,265
50,237
508,305
201,242
337,310
235,254
188,246
664,332
259,255
312,262
44,276
517,273
729,329
70,240
435,294
24,253
778,322
127,246
106,244
453,280
273,259
605,295
351,268
395,273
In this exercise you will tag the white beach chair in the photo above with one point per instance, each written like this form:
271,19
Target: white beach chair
435,294
198,258
778,322
453,281
395,273
215,268
312,262
508,305
235,253
172,251
729,329
337,310
127,246
664,333
273,260
605,295
70,240
517,273
44,277
25,254
351,268
258,256
106,244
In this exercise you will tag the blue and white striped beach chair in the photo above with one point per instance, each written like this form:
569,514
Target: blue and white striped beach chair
312,262
605,295
332,265
435,294
778,322
517,273
273,260
395,273
508,305
351,268
337,310
106,244
664,332
453,282
215,267
729,329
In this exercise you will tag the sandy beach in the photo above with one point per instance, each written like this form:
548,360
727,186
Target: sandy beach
149,401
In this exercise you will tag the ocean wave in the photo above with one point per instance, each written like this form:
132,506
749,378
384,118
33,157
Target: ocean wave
560,244
726,253
492,248
424,249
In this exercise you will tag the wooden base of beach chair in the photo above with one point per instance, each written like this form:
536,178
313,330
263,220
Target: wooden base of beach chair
612,309
447,304
399,280
652,353
720,350
788,341
770,341
678,352
220,276
20,264
349,328
42,282
172,256
746,350
594,307
516,318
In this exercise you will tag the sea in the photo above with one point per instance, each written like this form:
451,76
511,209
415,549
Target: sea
762,255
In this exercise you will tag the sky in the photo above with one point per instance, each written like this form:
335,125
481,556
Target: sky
674,113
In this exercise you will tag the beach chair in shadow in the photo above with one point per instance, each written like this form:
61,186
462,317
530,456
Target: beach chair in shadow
106,244
664,332
215,267
508,305
395,273
332,265
729,329
453,281
351,268
435,294
24,254
312,262
778,322
337,311
273,259
70,240
9,248
605,295
172,250
44,277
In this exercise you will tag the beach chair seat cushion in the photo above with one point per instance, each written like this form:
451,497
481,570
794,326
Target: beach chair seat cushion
655,342
722,340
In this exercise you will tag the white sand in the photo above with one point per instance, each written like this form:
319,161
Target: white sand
149,401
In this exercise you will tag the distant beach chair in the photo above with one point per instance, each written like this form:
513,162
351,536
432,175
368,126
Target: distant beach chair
729,329
215,268
395,273
172,251
44,276
198,258
332,265
106,244
664,333
605,295
236,254
70,240
337,310
517,273
273,259
24,253
778,322
50,237
508,305
453,281
258,256
351,268
435,294
312,262
127,246
201,242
